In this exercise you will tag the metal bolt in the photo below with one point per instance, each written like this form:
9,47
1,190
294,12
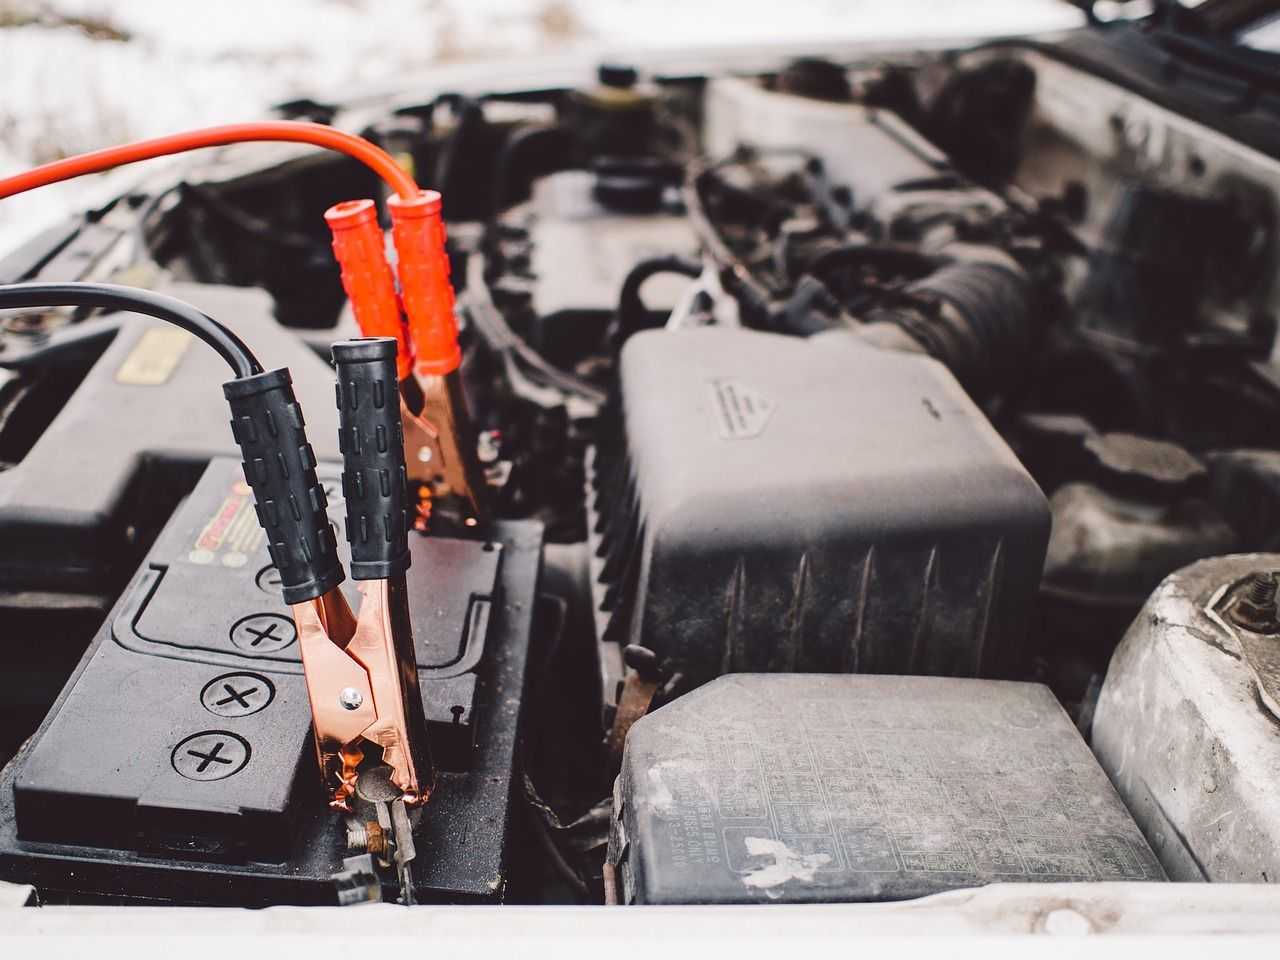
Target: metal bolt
366,837
350,698
1262,589
1255,608
357,838
424,454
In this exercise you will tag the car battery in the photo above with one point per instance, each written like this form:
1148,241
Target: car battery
806,788
178,761
80,507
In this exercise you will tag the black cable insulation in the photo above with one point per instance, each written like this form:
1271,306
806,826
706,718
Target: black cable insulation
110,296
631,313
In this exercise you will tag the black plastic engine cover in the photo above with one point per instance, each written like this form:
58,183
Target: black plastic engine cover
178,762
776,504
139,429
836,788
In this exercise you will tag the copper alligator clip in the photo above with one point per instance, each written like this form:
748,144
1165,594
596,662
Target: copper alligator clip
363,684
362,674
361,671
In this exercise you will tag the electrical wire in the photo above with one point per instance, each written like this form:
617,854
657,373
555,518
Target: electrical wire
493,328
631,313
735,276
293,131
114,297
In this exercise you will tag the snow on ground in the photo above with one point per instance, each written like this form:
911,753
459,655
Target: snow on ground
187,63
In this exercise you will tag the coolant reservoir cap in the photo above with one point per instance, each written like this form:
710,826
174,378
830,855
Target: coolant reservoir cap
619,75
631,184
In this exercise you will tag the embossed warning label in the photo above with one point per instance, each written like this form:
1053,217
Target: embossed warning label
831,787
739,409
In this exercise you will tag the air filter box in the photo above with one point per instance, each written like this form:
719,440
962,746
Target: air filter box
774,504
812,789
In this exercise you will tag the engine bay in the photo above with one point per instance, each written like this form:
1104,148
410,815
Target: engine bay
856,480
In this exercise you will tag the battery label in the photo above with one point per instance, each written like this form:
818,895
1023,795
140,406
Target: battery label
232,535
154,357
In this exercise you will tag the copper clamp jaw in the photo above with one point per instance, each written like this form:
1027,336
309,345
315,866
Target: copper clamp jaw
441,442
362,680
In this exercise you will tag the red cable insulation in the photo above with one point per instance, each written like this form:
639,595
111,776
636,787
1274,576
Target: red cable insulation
293,131
419,233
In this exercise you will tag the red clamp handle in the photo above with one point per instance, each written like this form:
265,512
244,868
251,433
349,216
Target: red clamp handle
361,253
418,230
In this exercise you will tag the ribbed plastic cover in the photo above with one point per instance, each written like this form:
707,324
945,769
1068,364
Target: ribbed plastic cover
807,788
778,504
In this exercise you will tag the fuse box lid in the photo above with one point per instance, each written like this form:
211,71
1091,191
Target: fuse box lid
809,788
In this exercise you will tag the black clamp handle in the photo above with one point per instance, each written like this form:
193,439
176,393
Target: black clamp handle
280,466
371,438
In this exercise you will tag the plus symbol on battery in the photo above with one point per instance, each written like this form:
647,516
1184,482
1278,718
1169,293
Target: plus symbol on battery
210,757
259,634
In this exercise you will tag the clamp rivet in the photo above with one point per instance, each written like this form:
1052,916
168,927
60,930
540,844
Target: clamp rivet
350,698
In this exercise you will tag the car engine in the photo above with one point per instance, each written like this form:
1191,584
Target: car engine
811,480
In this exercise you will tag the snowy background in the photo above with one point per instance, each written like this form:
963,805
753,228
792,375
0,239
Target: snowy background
82,74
